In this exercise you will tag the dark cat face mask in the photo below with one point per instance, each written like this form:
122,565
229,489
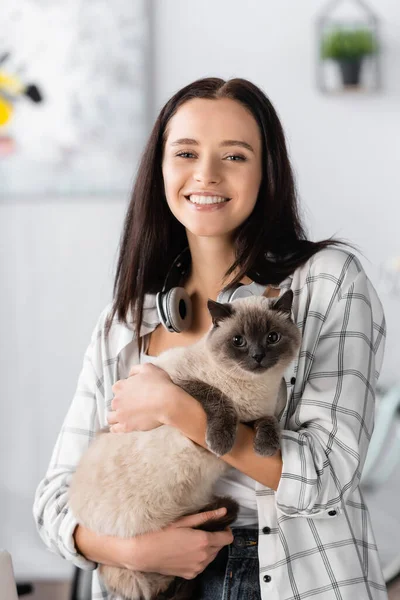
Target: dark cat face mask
253,334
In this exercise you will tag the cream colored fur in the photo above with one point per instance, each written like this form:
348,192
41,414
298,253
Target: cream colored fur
133,483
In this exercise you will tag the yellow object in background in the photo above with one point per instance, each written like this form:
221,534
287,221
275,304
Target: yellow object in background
6,111
11,89
11,84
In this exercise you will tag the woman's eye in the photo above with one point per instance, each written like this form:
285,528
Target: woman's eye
273,337
236,157
230,158
238,341
185,154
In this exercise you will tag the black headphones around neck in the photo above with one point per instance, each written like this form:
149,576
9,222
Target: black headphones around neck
174,306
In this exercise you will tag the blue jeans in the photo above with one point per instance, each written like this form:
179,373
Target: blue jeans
234,573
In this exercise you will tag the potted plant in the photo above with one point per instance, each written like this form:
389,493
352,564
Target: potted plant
348,47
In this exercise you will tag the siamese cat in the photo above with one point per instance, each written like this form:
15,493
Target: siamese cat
133,483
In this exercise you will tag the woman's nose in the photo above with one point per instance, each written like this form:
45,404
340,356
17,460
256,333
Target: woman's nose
207,172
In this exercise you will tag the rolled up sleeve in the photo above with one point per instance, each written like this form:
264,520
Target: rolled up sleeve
325,445
54,519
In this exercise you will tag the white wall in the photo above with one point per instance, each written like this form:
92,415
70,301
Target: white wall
57,256
57,261
345,149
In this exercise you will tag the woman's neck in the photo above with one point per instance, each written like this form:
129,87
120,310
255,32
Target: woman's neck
211,258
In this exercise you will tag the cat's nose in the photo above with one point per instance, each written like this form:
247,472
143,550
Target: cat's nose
258,357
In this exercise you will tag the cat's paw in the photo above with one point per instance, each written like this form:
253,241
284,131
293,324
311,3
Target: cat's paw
267,437
220,442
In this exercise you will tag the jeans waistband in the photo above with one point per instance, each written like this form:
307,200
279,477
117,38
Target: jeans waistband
245,543
244,546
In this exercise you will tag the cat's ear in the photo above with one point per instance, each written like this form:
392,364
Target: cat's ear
219,311
284,304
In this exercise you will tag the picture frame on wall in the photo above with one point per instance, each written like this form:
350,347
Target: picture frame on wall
73,96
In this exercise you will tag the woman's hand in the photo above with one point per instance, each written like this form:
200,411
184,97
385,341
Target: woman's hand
141,402
178,549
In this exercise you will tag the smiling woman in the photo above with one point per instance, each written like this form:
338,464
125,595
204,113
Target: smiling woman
215,185
212,176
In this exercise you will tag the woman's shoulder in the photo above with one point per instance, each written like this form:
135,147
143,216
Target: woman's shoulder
110,333
102,321
332,268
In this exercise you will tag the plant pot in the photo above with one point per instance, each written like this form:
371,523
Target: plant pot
351,70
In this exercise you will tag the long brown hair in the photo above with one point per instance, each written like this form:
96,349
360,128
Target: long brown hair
269,245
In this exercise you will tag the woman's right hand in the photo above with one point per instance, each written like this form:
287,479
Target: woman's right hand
178,549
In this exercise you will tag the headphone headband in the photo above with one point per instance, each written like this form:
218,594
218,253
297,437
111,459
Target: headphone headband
173,303
177,270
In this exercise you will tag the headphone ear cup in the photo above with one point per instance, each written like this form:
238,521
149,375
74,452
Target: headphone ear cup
177,308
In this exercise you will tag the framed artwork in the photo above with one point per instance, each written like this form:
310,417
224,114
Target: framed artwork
73,95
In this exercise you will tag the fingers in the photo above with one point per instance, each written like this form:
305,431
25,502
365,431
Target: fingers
114,403
200,518
211,514
135,370
216,539
118,428
116,386
112,417
213,556
221,538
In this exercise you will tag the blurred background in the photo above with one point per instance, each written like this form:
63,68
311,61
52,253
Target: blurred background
80,87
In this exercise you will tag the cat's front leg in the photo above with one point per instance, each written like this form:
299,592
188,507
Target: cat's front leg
222,420
266,440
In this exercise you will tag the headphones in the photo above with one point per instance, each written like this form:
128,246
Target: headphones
173,303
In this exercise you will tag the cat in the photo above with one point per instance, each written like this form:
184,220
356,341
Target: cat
132,483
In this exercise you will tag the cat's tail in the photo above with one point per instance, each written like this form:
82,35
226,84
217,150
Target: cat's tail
185,589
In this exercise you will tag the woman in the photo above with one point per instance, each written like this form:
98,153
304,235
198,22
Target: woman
216,177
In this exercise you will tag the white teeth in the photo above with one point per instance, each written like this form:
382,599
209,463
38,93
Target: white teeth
207,199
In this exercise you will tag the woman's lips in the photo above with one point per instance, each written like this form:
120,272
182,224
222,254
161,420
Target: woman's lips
207,207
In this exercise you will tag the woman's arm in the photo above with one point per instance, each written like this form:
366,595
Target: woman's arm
178,550
55,522
105,549
324,447
187,415
326,441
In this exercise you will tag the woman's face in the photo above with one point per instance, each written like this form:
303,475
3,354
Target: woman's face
212,165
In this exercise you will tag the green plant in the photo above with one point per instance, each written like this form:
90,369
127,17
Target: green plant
348,44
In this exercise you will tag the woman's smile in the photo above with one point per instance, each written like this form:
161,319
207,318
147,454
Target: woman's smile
206,202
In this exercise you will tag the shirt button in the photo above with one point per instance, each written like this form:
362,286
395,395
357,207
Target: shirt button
332,513
266,530
293,380
267,578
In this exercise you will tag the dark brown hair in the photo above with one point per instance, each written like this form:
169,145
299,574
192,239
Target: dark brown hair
269,245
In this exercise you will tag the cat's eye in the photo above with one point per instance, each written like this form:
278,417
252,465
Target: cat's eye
273,337
238,341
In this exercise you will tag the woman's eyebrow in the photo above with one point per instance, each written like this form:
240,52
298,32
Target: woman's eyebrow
192,142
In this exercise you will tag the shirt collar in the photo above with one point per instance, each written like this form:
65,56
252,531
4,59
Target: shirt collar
150,320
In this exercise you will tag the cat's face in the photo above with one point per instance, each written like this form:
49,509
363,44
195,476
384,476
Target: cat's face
253,334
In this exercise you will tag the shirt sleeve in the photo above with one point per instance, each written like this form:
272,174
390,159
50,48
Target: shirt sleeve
55,521
324,448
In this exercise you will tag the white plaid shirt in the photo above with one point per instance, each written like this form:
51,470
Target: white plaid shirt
315,537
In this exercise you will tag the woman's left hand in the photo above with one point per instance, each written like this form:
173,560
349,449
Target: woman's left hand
141,402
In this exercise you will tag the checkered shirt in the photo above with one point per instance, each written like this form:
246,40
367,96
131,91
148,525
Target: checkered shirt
315,536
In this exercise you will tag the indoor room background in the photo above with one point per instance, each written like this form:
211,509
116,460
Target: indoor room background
59,244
